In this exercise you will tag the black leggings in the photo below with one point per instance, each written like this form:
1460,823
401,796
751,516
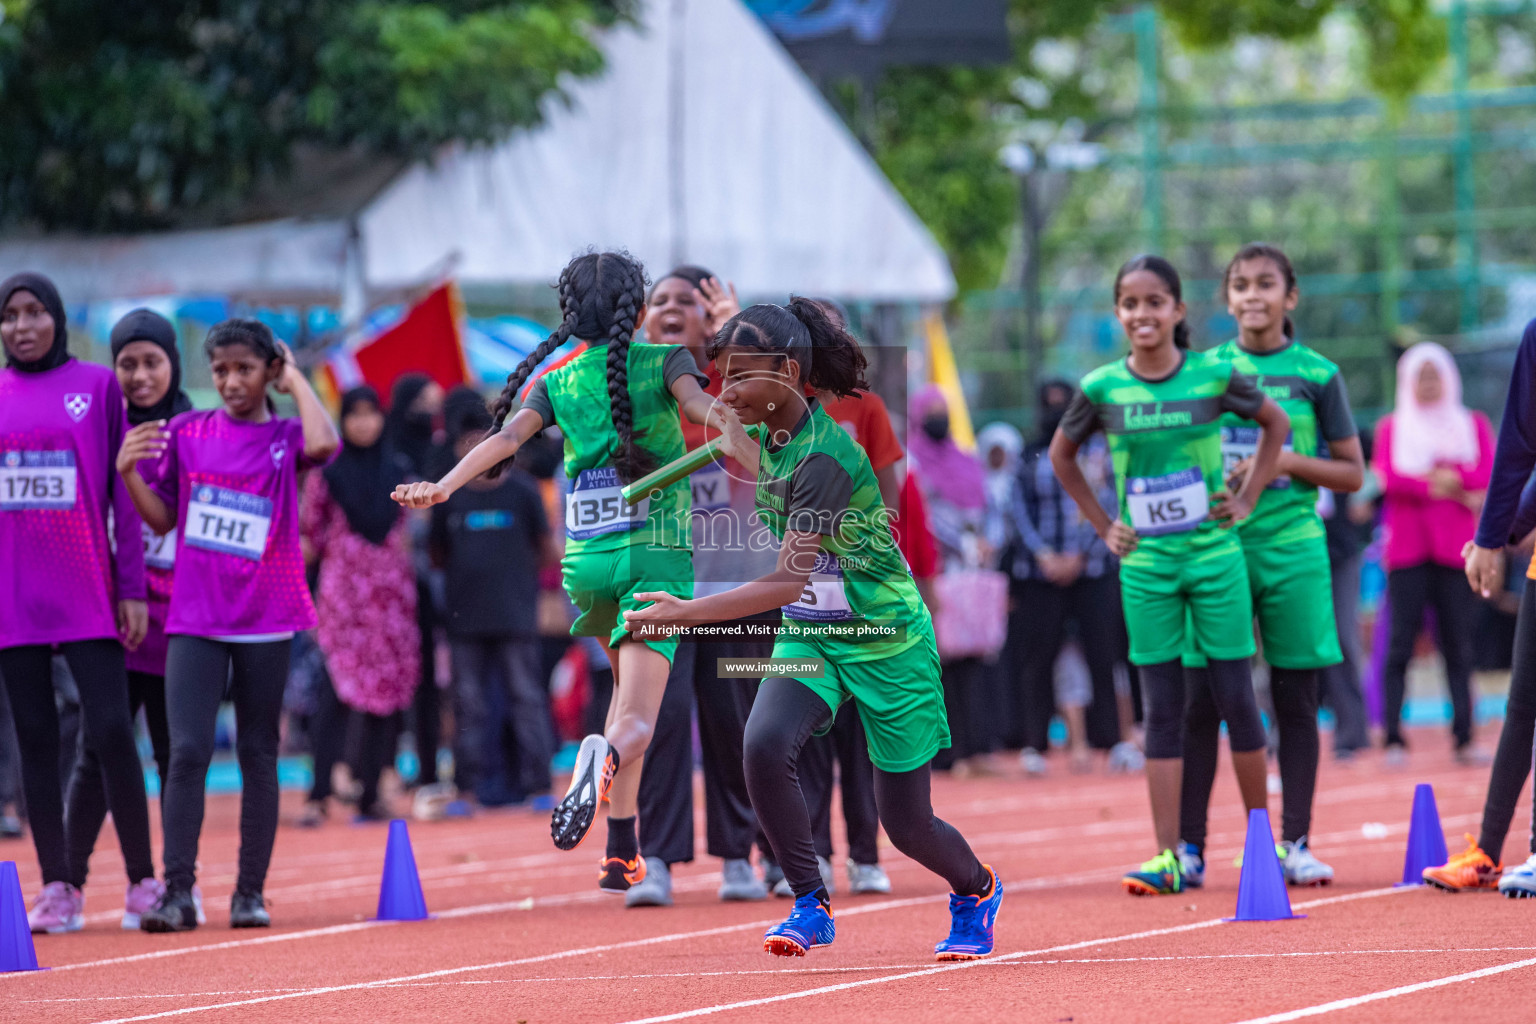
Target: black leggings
1164,691
784,716
86,802
1512,763
1294,692
97,666
196,672
1409,591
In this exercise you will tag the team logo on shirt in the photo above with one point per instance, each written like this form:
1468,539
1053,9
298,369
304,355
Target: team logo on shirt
77,405
279,451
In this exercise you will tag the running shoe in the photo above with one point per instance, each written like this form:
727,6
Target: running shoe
1469,869
59,908
1126,757
772,875
1191,865
1519,882
11,827
808,926
615,875
142,896
573,816
1033,762
781,887
740,884
248,910
972,919
867,879
174,913
653,888
1159,876
1301,866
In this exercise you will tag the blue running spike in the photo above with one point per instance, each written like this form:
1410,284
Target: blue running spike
971,922
808,926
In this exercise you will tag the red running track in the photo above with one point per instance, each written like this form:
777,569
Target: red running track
522,935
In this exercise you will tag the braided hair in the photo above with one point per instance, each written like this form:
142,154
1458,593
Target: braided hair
601,296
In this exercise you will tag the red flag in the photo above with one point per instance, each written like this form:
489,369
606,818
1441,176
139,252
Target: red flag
427,339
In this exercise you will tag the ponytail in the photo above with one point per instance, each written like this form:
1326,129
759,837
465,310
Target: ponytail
1181,335
808,331
600,298
1289,329
838,364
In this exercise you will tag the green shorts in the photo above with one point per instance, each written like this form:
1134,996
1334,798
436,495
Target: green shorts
900,699
1205,592
1292,589
603,585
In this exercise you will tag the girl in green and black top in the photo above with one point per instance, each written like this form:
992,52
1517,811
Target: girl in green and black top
617,406
1181,567
854,625
1286,552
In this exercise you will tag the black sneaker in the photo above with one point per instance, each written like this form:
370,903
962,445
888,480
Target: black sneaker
573,816
176,912
248,910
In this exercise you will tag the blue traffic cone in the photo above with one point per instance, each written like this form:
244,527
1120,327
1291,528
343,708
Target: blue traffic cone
1426,839
400,897
16,950
1261,894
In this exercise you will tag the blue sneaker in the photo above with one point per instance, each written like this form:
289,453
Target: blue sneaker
971,922
809,925
1191,865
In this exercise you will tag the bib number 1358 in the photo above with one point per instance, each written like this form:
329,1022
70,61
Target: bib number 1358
596,506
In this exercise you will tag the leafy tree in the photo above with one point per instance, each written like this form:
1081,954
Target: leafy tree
937,131
125,115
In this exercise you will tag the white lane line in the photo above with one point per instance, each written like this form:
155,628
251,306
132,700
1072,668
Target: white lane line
705,933
1390,993
801,971
705,1011
566,954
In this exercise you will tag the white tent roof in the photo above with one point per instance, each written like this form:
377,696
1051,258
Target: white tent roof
701,142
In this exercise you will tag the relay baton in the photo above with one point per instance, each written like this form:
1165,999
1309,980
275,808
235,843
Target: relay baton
677,469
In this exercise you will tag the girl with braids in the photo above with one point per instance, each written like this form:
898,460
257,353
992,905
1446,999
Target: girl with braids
850,609
617,406
1181,566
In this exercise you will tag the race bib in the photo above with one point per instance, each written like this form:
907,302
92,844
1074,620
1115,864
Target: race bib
596,506
229,522
1239,443
825,597
159,551
37,480
1167,504
711,487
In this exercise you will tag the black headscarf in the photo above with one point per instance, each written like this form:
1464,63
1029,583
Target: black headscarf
147,325
409,432
48,295
361,479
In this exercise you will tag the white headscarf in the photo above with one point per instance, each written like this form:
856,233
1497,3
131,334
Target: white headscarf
1426,436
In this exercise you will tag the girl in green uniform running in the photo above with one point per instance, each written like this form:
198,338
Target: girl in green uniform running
617,406
1181,566
854,628
1286,552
